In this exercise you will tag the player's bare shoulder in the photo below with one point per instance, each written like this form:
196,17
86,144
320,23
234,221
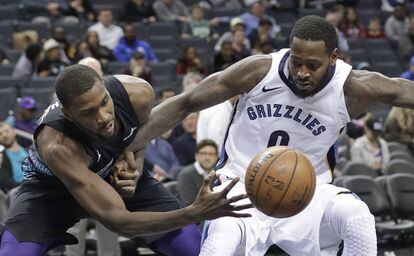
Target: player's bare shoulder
140,94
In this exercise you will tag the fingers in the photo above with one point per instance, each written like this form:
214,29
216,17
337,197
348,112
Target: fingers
127,175
233,183
207,180
130,159
124,183
242,207
240,215
237,198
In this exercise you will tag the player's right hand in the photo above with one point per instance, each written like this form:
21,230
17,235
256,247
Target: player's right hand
212,205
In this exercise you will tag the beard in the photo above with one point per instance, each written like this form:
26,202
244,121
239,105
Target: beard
304,93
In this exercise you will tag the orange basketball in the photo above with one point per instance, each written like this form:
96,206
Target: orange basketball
280,181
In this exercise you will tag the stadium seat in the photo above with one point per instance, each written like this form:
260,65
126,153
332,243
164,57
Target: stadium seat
354,168
305,12
365,15
141,29
395,146
283,16
6,70
9,82
220,12
163,74
382,55
401,191
7,101
163,30
43,96
115,67
358,55
9,12
6,31
41,28
13,55
377,44
391,69
339,181
42,82
166,54
286,28
398,166
402,155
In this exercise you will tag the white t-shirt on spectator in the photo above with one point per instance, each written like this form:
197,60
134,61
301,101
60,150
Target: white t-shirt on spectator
108,36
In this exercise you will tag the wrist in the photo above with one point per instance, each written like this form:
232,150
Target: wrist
191,213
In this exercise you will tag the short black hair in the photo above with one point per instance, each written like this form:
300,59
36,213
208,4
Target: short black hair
75,80
315,28
205,143
32,51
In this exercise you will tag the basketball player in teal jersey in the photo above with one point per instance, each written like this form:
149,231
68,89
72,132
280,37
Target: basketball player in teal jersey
300,97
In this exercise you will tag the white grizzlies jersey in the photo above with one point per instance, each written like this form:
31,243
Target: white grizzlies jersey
271,114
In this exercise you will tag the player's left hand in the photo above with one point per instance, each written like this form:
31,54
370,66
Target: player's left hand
125,174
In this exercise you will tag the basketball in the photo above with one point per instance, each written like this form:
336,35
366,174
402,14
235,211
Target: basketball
280,181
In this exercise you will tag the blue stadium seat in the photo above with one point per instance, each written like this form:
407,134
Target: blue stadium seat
377,44
7,101
9,12
9,82
391,69
358,55
13,55
6,70
42,82
163,30
376,55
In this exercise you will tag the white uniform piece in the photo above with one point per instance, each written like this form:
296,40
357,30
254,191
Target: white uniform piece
271,114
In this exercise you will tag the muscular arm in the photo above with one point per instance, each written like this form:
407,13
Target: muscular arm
218,87
67,159
364,88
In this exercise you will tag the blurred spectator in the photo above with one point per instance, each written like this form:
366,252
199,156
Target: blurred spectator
25,119
225,57
137,67
363,66
334,16
345,57
6,172
51,65
139,11
67,51
13,153
240,50
261,35
374,29
81,9
252,17
130,43
196,26
160,152
4,60
171,10
184,145
350,25
343,152
213,122
396,27
191,177
409,74
235,5
82,50
166,93
399,126
371,149
47,9
191,79
26,66
92,63
190,62
96,49
108,33
236,24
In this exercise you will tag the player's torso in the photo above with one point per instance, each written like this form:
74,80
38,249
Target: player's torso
271,114
102,153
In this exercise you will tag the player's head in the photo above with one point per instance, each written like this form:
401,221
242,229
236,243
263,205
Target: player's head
85,100
313,49
207,154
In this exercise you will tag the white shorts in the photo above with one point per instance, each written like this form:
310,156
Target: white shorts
296,235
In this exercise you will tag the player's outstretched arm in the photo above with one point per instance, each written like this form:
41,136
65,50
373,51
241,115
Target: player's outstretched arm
69,162
365,88
216,88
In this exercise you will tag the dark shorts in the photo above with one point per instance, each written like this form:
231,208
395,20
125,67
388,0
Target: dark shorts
43,209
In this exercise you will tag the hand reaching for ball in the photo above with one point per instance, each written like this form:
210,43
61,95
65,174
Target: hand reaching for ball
125,174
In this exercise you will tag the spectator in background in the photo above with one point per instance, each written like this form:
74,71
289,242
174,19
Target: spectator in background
92,63
25,120
190,62
137,67
166,93
240,50
67,51
108,33
399,126
81,9
51,65
212,122
396,28
350,26
4,60
261,35
334,16
130,43
160,152
191,79
375,30
409,74
46,9
171,10
98,51
371,149
6,172
236,24
27,64
191,177
196,26
235,5
184,145
14,152
139,11
225,57
252,17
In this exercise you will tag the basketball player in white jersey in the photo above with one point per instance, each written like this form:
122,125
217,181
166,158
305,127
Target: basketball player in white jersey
300,97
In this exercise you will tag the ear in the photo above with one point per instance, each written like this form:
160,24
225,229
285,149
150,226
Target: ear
334,56
66,113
